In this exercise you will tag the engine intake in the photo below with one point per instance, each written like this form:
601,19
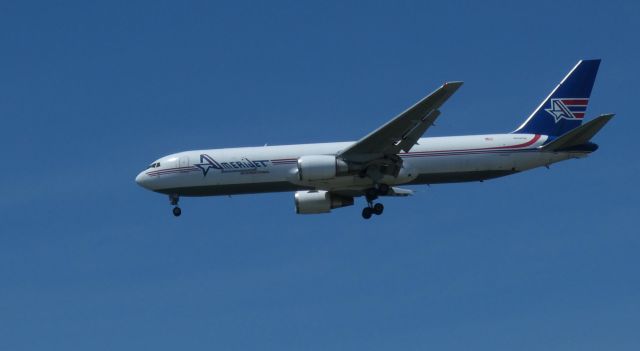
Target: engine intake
319,201
320,167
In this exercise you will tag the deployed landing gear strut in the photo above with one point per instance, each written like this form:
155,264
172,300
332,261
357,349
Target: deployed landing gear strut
173,198
371,195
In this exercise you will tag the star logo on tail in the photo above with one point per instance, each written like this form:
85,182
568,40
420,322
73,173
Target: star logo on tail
570,109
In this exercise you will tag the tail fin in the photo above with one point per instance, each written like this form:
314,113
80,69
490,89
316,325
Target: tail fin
564,109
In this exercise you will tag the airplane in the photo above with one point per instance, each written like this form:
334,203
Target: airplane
327,176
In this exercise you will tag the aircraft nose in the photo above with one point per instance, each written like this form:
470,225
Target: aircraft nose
142,180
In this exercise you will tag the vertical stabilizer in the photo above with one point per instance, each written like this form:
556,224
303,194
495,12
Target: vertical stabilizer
565,108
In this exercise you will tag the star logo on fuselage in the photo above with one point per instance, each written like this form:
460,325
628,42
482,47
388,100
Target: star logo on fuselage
207,163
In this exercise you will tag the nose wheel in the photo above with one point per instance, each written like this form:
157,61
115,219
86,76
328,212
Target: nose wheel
173,198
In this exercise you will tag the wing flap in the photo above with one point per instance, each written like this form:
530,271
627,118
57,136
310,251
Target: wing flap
395,191
355,192
411,137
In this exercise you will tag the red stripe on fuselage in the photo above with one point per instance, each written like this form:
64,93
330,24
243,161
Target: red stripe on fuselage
525,144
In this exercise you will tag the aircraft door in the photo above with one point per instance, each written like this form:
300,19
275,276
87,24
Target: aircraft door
183,161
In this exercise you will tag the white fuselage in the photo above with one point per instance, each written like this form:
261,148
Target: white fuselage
274,168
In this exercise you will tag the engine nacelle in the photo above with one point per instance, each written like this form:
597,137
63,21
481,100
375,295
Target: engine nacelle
319,201
320,167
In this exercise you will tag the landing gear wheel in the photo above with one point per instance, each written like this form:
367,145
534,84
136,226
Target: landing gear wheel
174,198
367,212
378,208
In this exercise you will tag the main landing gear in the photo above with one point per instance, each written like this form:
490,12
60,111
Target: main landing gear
371,195
173,198
376,209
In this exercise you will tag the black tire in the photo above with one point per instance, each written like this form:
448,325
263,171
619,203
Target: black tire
177,211
367,212
383,189
378,209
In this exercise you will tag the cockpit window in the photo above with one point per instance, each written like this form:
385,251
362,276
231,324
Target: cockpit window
154,165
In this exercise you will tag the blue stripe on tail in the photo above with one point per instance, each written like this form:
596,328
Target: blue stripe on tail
565,107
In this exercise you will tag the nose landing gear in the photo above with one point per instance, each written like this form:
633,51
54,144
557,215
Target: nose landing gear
173,198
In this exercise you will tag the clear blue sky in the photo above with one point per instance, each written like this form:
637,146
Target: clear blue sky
91,93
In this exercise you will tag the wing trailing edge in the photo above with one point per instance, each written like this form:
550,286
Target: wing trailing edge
403,131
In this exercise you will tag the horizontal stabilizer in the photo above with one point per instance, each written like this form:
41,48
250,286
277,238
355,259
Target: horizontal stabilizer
579,135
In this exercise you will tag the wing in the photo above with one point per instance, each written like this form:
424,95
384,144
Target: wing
402,132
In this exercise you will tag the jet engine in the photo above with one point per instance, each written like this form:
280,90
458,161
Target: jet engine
320,167
319,201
